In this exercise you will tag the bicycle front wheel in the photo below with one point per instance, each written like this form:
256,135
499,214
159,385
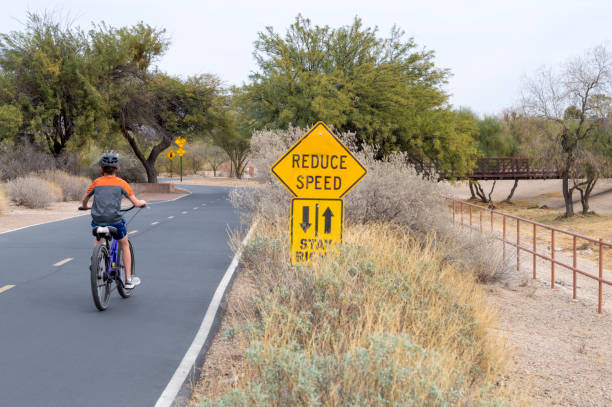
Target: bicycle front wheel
125,292
100,282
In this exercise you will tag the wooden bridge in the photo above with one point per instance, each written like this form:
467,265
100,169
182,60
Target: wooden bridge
509,168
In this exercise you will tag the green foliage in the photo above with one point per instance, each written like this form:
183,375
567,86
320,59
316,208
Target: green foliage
52,83
495,139
384,89
11,120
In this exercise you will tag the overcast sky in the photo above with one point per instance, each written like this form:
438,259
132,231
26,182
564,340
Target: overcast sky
488,45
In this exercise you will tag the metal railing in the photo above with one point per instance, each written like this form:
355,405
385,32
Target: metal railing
462,209
509,168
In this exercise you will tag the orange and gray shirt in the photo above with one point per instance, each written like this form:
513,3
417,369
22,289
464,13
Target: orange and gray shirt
107,192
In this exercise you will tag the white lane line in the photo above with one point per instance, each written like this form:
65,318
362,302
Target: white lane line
6,288
155,223
62,262
171,217
195,208
178,378
203,204
184,212
131,232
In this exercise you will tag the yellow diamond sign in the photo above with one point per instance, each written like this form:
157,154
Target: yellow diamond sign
319,166
180,152
170,155
180,142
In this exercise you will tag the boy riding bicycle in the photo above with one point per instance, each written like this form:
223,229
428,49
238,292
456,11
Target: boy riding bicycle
107,191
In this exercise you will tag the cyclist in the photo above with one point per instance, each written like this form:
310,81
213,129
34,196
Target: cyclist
107,191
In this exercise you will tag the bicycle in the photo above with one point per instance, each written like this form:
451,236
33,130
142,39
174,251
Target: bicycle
107,266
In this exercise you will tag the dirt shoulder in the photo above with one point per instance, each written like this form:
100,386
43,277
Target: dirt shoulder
18,217
560,348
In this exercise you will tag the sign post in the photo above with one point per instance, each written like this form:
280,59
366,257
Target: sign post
180,142
319,171
170,156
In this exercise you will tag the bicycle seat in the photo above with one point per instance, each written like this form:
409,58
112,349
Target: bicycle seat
105,231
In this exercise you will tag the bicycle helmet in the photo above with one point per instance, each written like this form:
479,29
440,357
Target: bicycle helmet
109,160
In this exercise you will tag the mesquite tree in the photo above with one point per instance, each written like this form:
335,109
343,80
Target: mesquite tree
150,109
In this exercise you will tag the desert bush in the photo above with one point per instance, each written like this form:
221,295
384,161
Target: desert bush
33,192
73,187
16,160
391,192
382,320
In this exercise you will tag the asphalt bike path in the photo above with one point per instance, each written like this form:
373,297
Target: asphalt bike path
57,349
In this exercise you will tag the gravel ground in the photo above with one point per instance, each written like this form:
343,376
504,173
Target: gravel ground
560,348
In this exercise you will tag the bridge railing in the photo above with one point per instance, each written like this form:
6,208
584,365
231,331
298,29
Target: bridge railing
464,214
509,168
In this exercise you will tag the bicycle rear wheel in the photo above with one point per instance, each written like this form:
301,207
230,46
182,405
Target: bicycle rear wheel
125,292
101,284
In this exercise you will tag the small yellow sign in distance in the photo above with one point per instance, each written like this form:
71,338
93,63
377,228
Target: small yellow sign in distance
180,141
318,165
170,155
180,152
316,226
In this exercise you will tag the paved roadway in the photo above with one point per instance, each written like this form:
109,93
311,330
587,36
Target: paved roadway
56,349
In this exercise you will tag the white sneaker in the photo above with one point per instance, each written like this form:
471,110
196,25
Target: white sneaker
132,282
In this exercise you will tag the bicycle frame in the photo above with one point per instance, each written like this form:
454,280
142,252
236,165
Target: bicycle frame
113,269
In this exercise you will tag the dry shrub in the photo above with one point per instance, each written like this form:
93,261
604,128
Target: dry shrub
73,187
391,192
3,200
17,159
381,321
33,192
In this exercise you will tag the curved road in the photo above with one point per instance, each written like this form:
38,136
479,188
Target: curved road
56,349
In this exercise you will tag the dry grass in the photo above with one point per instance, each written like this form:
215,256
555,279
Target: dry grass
394,316
384,320
33,192
3,200
73,187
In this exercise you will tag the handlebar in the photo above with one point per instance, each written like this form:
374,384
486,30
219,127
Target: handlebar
120,210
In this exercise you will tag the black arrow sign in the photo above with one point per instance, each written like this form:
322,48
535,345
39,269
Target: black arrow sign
305,219
316,220
328,215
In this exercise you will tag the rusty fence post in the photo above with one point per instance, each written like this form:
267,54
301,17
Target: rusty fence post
470,219
518,245
599,302
491,221
504,236
575,264
552,255
453,211
480,221
534,251
461,207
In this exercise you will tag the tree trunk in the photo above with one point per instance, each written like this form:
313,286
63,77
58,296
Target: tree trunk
473,195
585,193
147,162
151,173
481,193
513,189
567,197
